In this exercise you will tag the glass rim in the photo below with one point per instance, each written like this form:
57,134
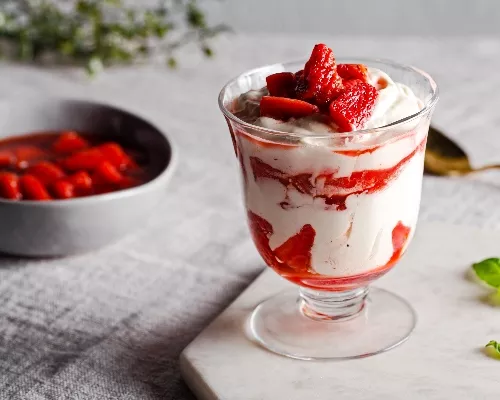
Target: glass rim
428,106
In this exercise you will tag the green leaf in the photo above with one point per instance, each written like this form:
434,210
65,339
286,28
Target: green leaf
25,47
94,66
488,271
67,48
207,51
98,33
172,62
195,16
493,349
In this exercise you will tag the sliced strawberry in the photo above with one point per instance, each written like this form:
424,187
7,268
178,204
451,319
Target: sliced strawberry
7,158
28,155
107,173
351,83
32,188
9,186
63,189
296,251
284,108
319,83
281,84
81,180
84,160
352,71
69,142
353,107
321,60
46,172
115,154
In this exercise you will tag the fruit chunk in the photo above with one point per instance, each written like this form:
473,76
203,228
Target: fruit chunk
115,154
63,189
6,159
353,107
348,85
284,108
352,71
296,251
319,83
84,160
69,142
107,173
9,186
28,155
382,83
81,180
281,84
32,188
46,172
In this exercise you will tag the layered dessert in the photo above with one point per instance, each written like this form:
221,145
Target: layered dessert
332,201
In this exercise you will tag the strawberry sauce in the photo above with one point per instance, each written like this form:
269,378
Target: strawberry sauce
334,190
292,259
293,256
66,165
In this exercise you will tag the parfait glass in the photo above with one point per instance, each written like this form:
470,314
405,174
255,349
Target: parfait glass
331,213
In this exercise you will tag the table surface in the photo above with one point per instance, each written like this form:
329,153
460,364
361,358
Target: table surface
112,324
454,323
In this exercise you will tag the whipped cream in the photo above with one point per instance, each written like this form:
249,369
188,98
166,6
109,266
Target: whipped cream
348,242
394,102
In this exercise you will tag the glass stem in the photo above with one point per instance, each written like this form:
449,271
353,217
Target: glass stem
332,306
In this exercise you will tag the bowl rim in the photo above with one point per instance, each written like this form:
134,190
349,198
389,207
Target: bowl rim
161,178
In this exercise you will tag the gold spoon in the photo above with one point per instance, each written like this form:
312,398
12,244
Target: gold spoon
444,157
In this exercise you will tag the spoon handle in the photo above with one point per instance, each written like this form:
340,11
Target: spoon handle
486,167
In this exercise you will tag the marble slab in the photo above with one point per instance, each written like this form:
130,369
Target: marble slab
443,359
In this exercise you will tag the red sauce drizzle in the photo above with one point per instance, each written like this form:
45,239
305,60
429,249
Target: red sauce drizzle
334,190
356,153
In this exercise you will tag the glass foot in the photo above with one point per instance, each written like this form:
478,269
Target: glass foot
284,324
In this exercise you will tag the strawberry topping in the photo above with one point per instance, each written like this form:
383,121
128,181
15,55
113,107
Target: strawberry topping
338,91
284,108
352,71
349,84
353,107
281,84
320,83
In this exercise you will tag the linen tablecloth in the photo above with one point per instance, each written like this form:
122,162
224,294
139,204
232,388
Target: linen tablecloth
111,324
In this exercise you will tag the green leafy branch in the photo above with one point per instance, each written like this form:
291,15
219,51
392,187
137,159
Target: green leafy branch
100,33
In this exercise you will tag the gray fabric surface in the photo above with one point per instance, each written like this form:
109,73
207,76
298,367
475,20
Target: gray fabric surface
110,325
